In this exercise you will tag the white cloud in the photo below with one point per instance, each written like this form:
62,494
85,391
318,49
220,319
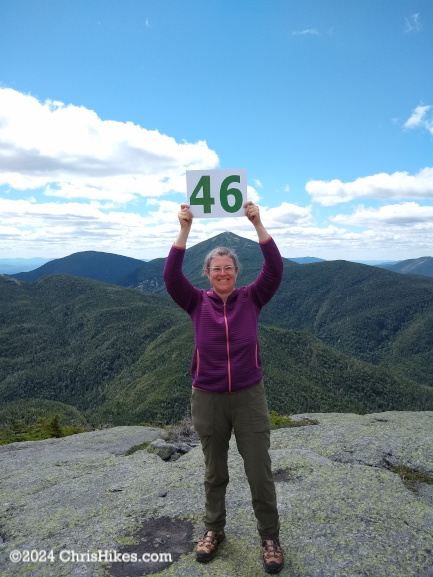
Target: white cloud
57,229
308,31
253,195
288,214
336,242
398,185
74,154
398,215
103,182
421,118
412,23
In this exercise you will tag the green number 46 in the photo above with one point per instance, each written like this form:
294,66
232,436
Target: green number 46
206,200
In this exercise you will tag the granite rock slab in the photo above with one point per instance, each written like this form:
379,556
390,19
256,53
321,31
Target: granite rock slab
344,513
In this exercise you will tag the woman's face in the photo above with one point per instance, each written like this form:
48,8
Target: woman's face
222,275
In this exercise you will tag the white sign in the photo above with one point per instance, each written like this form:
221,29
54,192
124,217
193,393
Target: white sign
216,193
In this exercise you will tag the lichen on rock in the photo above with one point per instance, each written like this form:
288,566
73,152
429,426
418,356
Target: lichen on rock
344,512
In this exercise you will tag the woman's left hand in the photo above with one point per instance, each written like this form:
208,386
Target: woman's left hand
252,212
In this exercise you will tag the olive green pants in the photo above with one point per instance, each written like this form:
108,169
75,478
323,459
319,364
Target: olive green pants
214,415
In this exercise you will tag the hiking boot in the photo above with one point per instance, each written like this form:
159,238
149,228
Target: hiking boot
208,545
273,560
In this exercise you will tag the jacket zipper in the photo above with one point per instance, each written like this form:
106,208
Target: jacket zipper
228,349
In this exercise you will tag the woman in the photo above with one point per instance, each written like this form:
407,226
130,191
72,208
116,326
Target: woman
228,391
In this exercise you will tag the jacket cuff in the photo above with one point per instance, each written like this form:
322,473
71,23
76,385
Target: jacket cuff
265,241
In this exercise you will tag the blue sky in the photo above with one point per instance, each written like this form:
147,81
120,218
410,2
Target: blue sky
105,104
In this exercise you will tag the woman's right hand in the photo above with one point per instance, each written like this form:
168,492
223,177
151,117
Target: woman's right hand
185,216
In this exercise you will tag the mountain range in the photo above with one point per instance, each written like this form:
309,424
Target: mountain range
337,336
101,266
126,271
422,266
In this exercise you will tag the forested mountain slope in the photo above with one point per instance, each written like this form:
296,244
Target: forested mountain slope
301,374
122,356
378,316
421,266
63,338
101,266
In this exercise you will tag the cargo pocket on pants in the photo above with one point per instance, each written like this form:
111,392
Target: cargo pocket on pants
202,412
258,408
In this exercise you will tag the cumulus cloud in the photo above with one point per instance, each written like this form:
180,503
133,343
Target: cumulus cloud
398,185
421,117
405,214
253,195
398,231
56,229
103,183
338,242
288,214
71,152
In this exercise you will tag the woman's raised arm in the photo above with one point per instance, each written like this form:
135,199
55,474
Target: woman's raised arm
185,217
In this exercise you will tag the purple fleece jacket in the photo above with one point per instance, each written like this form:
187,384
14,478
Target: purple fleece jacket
226,355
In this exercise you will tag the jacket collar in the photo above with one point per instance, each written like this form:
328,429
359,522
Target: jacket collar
215,297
